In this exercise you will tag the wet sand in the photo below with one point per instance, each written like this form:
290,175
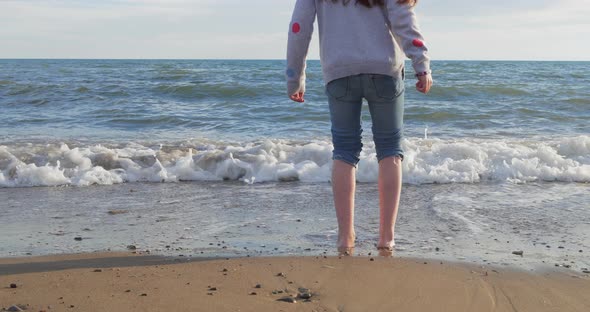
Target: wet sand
477,223
125,282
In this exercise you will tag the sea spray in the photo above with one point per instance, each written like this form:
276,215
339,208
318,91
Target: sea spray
426,161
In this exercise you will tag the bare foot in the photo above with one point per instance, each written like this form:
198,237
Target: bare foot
385,251
345,251
386,248
346,245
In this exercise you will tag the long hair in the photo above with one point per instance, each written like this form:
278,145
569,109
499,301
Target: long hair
372,3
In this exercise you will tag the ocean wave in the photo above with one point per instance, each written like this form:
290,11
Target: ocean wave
580,101
200,90
477,90
22,90
427,161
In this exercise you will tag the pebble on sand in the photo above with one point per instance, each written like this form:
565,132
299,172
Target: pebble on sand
304,293
131,247
518,253
13,285
287,299
78,238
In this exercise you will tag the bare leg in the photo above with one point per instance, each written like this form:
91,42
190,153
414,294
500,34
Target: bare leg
343,186
390,186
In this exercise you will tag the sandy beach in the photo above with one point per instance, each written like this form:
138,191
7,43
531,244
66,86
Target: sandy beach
126,282
195,156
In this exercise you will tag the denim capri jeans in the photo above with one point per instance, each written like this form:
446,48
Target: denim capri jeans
385,95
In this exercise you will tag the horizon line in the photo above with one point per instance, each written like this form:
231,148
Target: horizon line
273,59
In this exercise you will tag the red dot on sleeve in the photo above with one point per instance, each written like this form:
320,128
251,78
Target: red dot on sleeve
296,27
418,43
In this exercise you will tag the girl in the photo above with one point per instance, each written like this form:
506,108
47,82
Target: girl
361,57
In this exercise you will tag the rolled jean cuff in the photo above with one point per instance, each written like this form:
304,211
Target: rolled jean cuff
390,153
349,159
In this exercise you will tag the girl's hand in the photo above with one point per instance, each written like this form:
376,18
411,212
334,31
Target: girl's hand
424,83
298,97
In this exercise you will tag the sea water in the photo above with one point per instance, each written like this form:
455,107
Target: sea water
496,148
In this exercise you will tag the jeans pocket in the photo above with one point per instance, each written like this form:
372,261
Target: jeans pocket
387,87
337,89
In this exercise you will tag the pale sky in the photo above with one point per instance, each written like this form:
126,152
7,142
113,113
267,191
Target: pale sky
257,29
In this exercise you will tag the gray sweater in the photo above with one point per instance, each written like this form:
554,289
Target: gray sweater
354,40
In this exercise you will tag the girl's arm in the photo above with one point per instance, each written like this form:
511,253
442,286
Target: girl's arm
300,31
404,26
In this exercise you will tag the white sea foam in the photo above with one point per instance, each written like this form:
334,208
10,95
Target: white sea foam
426,161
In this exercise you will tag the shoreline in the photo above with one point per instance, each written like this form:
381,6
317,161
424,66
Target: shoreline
455,222
112,259
132,282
